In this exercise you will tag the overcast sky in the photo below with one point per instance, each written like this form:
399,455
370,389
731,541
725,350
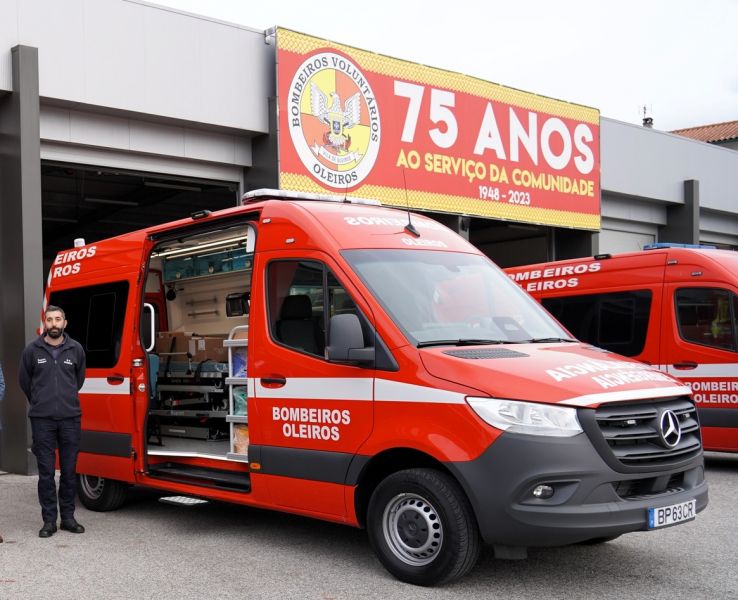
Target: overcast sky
678,58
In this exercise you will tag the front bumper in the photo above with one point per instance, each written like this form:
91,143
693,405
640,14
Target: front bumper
591,499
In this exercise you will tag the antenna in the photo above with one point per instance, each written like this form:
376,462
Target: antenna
410,228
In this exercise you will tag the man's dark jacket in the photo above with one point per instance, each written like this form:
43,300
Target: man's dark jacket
52,386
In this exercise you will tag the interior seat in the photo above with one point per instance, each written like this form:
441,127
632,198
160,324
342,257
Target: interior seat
296,327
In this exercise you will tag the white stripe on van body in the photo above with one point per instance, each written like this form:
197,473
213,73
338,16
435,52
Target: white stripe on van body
329,388
318,388
360,389
396,391
100,385
703,370
355,388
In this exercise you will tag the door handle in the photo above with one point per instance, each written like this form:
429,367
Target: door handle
686,365
115,379
273,382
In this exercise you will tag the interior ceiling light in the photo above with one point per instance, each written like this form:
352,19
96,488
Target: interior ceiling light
176,252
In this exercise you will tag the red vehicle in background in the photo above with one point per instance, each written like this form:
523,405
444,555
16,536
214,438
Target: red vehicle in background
671,306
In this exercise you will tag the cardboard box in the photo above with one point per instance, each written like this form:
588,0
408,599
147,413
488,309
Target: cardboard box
185,344
208,348
177,342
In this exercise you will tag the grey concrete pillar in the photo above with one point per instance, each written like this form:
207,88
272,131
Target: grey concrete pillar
20,249
683,220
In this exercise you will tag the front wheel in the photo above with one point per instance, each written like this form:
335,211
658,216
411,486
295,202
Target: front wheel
422,528
100,494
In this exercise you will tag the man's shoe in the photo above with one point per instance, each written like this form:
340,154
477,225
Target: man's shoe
72,525
47,530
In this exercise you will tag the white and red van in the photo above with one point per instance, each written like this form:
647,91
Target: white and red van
349,362
670,305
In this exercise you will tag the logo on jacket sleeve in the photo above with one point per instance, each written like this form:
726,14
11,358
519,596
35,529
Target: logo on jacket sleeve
334,120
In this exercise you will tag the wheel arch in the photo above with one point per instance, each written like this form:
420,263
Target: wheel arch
384,464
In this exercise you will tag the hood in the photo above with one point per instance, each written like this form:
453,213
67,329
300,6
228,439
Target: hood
561,373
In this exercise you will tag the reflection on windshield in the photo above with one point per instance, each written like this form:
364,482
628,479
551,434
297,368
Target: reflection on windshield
451,297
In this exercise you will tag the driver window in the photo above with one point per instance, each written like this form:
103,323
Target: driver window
302,297
705,317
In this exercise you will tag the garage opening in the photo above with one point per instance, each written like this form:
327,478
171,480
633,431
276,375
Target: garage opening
95,203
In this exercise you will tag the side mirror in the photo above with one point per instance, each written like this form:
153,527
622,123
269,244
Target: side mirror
346,341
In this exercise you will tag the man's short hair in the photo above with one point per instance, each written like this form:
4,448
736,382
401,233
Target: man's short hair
52,308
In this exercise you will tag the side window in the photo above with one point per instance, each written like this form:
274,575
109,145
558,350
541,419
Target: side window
302,296
615,321
707,316
95,317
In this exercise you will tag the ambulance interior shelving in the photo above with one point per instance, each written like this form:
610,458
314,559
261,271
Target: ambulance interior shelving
195,331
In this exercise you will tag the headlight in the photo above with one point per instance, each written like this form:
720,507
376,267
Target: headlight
527,417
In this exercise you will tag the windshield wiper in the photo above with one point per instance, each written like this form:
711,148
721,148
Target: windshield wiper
545,340
460,342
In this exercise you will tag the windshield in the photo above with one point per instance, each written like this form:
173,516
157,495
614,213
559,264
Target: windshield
451,297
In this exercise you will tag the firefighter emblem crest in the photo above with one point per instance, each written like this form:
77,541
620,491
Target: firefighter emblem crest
334,120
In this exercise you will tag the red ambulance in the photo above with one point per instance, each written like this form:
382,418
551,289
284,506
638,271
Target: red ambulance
672,306
332,358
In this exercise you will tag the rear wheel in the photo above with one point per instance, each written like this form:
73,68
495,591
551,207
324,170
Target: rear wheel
422,528
100,494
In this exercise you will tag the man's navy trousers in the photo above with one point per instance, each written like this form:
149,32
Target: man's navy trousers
48,435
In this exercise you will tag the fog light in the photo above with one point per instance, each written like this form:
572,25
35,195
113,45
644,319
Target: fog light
543,492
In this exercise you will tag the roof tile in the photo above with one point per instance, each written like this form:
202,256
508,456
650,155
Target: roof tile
718,132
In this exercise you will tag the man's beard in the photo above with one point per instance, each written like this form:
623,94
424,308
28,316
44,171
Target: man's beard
54,333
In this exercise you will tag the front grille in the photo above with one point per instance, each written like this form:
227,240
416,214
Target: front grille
633,431
640,489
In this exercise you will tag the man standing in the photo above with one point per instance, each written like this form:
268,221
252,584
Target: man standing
52,372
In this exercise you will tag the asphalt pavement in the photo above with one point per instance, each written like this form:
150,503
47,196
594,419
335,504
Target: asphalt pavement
148,549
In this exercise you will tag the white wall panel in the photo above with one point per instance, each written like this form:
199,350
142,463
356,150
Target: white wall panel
136,57
144,163
612,241
98,130
638,211
651,164
8,35
82,128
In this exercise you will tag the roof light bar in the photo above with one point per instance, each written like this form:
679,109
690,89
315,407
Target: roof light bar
270,194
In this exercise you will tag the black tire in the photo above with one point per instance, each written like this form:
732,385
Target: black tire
422,527
100,494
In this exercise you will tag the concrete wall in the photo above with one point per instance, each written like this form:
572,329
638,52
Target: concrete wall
131,56
653,164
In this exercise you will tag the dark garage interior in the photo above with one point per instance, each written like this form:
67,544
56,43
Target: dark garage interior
95,203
